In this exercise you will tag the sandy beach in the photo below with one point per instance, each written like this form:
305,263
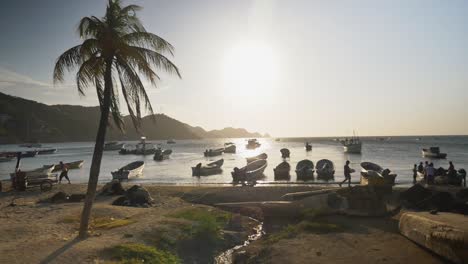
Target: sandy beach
35,230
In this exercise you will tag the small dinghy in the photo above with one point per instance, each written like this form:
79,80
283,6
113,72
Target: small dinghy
282,171
250,173
325,169
129,171
46,151
43,172
373,174
433,153
308,147
161,155
213,152
305,170
263,156
70,165
229,148
208,169
252,144
285,153
109,146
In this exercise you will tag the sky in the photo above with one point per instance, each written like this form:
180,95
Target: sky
293,68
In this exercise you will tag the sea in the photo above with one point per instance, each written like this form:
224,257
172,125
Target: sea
398,154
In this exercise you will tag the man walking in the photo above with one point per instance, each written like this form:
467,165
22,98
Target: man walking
347,174
64,172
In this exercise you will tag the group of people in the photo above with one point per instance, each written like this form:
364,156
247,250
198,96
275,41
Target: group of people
430,172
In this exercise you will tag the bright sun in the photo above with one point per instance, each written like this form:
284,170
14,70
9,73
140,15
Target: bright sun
250,69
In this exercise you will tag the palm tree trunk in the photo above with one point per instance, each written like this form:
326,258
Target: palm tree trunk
97,155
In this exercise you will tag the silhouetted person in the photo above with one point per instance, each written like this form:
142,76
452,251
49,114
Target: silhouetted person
64,173
415,173
451,172
347,174
421,167
430,173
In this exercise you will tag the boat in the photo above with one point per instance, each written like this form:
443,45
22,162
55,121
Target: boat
252,144
46,151
170,141
161,155
282,171
142,148
352,145
249,173
6,159
213,152
31,145
29,154
278,139
208,169
373,174
285,153
261,156
129,171
43,172
114,145
305,170
70,165
308,147
325,169
229,147
433,153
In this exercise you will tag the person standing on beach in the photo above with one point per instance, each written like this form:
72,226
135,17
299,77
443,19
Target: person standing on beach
421,167
430,174
415,173
64,172
347,174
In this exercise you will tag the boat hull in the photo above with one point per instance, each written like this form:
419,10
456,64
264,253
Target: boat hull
230,149
128,174
113,147
353,148
46,151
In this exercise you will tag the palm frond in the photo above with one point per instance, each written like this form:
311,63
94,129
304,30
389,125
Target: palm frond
148,40
67,61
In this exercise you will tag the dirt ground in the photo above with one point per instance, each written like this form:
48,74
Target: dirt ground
32,232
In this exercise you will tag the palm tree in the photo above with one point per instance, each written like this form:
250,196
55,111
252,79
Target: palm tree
116,50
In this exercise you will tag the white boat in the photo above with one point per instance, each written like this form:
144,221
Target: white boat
129,171
325,169
70,165
261,156
252,144
352,145
43,172
161,155
229,148
281,171
305,170
373,174
208,169
113,146
142,148
249,173
433,153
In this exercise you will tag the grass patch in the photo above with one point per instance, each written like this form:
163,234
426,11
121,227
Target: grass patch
103,222
131,253
305,226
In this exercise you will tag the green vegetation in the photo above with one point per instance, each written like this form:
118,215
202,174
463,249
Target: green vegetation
103,222
305,226
138,253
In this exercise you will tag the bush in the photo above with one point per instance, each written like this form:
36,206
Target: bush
138,253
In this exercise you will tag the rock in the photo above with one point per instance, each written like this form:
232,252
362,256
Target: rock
113,187
121,201
445,234
59,197
137,195
76,198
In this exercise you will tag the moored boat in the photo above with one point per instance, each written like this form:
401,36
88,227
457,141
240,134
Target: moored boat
114,145
285,153
433,153
129,171
325,169
43,172
170,141
208,169
213,152
70,165
258,157
46,151
6,159
29,154
249,173
282,171
252,144
229,147
142,148
161,155
373,174
352,145
31,145
308,147
305,170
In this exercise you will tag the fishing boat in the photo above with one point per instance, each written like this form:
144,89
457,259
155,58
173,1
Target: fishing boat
170,141
261,156
213,152
29,154
46,151
305,170
249,173
142,148
208,169
252,144
114,145
6,159
31,145
43,172
352,145
70,165
285,153
433,153
308,147
129,171
373,174
229,147
282,171
325,169
161,155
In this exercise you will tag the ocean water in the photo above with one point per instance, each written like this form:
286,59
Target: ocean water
398,154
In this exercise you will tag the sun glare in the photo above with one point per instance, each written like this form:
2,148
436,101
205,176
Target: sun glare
250,69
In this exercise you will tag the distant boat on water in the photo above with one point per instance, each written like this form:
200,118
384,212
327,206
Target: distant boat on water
229,147
252,144
171,141
352,145
208,169
213,152
433,153
46,151
31,145
114,145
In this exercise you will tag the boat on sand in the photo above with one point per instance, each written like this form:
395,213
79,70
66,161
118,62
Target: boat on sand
45,171
305,170
249,173
208,169
254,158
129,171
282,171
373,174
70,165
325,169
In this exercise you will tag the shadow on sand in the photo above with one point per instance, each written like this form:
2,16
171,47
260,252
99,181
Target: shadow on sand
60,251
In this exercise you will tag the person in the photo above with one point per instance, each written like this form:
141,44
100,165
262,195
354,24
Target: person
347,174
421,167
451,172
430,173
415,173
64,173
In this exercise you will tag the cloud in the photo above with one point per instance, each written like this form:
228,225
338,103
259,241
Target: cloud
11,78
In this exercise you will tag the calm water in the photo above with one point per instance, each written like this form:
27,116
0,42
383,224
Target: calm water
398,154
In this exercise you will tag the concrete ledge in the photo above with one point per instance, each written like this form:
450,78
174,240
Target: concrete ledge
445,234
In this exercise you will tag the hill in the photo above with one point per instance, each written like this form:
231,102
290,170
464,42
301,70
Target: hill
23,120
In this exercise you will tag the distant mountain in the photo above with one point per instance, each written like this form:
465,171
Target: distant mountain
23,120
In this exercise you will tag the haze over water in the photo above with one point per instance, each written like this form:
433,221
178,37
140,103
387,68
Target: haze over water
398,154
